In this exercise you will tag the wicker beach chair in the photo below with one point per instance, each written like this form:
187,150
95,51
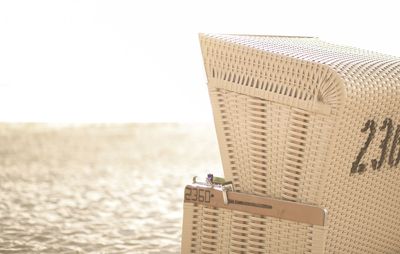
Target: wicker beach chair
304,122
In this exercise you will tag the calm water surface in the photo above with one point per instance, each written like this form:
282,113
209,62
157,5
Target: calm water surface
98,189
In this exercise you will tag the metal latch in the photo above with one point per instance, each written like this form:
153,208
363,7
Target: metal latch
221,194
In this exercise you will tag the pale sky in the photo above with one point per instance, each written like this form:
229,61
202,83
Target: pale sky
140,61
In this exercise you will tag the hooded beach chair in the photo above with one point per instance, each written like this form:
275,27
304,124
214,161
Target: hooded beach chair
309,135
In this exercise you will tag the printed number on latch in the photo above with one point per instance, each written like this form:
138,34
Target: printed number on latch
198,195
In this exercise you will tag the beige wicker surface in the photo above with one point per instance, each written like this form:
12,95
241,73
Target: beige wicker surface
307,121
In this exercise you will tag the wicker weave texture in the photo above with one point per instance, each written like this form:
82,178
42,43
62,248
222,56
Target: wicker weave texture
225,231
307,121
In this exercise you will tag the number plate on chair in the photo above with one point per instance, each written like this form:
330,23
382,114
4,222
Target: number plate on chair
212,196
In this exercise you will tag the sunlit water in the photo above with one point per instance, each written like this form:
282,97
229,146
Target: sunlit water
98,189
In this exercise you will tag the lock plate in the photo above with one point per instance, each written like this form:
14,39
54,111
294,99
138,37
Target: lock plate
212,196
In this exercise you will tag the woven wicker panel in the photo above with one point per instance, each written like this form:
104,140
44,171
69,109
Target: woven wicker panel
303,120
226,231
251,134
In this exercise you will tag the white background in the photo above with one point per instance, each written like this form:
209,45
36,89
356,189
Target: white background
140,61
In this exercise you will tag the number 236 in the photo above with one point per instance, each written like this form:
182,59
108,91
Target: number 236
386,145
